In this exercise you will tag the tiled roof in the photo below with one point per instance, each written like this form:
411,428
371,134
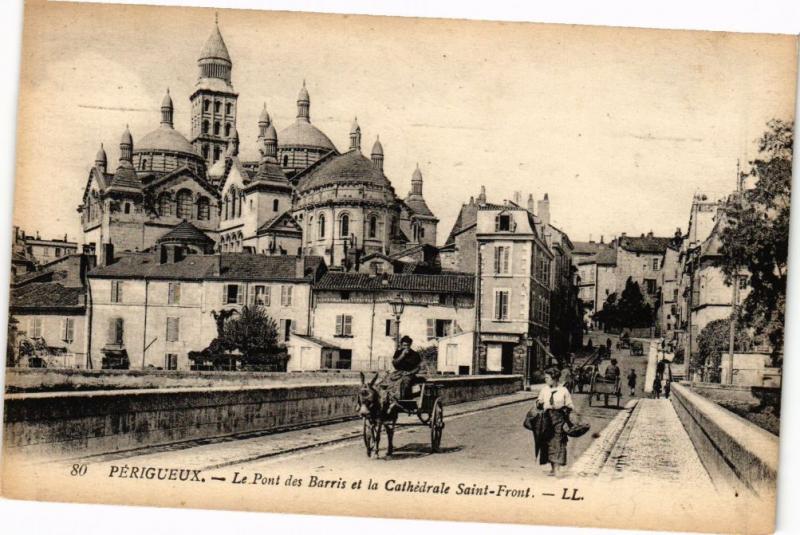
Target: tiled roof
443,283
607,256
125,179
318,341
269,172
271,224
225,266
418,205
585,247
350,167
186,232
47,295
645,244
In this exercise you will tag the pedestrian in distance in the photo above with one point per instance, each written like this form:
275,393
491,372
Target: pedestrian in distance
632,381
550,430
657,386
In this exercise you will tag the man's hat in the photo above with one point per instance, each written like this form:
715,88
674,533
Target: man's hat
406,339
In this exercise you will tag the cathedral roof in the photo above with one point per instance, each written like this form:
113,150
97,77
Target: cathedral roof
302,133
185,232
164,138
215,47
345,168
418,205
269,171
126,179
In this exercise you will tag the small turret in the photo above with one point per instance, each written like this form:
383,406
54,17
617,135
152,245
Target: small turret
355,135
233,144
377,153
303,104
263,121
126,147
416,182
271,143
166,110
101,160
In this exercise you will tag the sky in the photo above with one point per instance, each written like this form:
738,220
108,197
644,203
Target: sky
620,127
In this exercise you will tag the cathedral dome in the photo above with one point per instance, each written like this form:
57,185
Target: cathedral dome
303,134
351,167
164,138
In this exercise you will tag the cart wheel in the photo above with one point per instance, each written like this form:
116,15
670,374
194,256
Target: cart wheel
369,438
437,425
424,417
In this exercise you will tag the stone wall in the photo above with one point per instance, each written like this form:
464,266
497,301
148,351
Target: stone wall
739,456
72,424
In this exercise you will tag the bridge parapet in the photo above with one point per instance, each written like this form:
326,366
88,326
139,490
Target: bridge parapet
739,456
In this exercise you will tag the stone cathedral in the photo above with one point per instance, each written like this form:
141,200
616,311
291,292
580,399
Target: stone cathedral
301,196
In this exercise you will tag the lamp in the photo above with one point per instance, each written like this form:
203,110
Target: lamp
398,305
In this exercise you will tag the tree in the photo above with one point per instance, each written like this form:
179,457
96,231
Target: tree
608,314
254,334
633,310
714,341
755,240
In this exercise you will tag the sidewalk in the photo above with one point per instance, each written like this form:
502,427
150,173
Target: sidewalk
238,449
654,448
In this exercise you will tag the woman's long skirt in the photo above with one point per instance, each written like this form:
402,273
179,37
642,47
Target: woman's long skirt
557,445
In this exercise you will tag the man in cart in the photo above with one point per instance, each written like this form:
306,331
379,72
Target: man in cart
406,364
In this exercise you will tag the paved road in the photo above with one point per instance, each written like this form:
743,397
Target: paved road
491,442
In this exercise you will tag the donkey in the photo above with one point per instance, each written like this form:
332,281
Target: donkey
378,411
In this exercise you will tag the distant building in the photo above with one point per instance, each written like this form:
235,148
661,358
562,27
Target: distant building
640,259
596,263
354,326
42,251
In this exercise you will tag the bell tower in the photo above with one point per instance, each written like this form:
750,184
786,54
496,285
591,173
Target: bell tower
214,101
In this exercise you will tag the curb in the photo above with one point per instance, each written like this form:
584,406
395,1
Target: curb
593,461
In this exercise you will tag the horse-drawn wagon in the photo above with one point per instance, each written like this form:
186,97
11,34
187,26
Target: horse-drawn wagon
637,348
380,410
605,386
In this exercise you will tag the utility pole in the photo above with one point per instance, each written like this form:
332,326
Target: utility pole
735,296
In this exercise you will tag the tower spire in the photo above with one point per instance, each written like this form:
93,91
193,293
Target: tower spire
416,182
355,135
166,110
377,153
126,147
303,103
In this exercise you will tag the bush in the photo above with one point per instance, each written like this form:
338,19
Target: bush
714,340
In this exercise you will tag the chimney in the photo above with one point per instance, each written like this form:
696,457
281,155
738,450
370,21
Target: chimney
601,239
482,196
167,255
544,210
108,254
530,202
518,198
650,234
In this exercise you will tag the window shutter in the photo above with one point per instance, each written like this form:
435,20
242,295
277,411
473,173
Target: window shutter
112,331
389,327
176,328
267,295
348,325
505,305
70,329
64,329
251,296
431,327
223,296
119,334
177,293
119,292
497,305
497,223
506,253
288,296
240,295
339,325
497,252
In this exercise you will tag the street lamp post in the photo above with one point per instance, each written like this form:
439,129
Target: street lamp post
397,305
528,341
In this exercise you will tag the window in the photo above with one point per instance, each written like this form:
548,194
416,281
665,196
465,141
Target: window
36,328
233,294
275,205
650,284
216,128
743,282
205,152
116,291
438,328
205,131
227,129
286,160
321,225
344,226
373,227
203,209
217,105
173,329
344,325
228,108
174,293
127,211
58,251
165,206
421,232
286,296
502,253
501,305
171,361
184,201
216,153
68,330
391,328
116,332
261,295
502,223
206,105
656,264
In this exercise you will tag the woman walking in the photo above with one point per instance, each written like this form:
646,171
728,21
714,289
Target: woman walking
555,404
632,381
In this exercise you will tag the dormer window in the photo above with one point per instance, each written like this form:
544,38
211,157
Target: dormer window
503,223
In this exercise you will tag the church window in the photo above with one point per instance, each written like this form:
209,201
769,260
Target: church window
184,199
344,226
421,232
127,208
203,209
216,153
228,108
206,105
217,105
216,128
286,160
205,152
227,129
373,227
275,205
321,225
205,131
227,207
143,163
165,206
241,202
